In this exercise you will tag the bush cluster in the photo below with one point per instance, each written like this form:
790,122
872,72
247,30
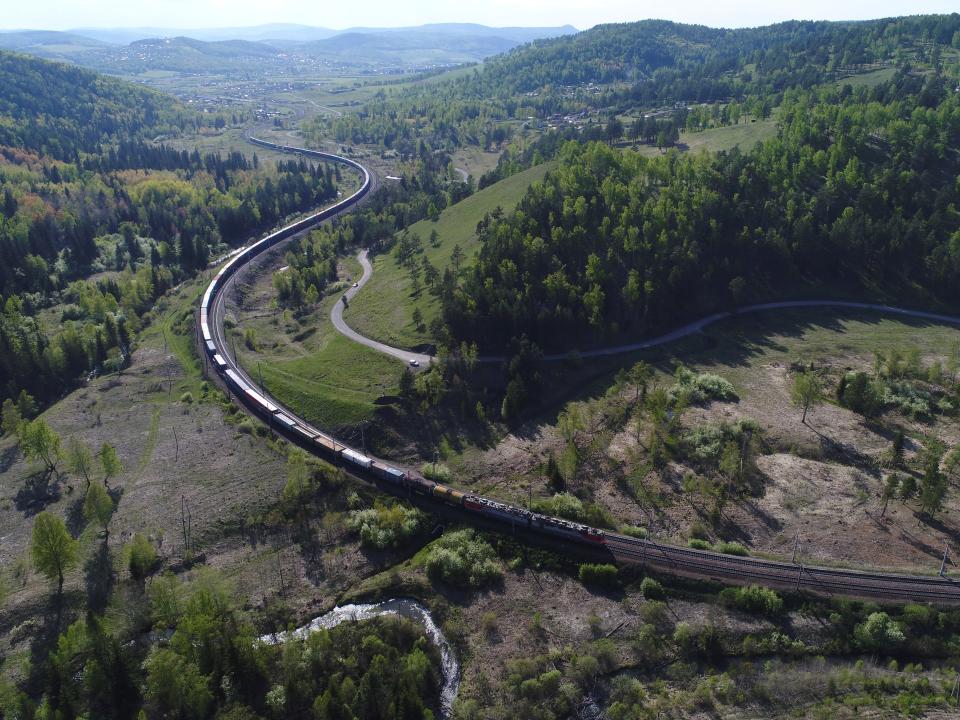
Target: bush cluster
382,527
600,574
698,388
463,559
752,599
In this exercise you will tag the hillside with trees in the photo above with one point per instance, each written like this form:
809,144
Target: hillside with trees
82,194
63,111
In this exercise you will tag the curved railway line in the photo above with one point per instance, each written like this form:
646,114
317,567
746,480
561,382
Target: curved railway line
729,569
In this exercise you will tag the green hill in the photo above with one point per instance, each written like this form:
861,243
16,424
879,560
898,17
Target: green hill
61,110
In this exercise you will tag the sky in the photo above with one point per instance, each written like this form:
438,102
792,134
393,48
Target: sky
66,14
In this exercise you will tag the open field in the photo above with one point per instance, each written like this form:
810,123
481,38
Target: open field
743,136
347,93
475,161
384,310
304,362
868,79
820,481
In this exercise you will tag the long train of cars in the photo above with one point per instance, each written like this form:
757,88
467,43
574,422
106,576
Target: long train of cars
698,563
282,420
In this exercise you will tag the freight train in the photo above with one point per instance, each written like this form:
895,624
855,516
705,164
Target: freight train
306,435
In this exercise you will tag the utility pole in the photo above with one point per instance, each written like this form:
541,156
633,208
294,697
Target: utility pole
177,441
943,563
796,546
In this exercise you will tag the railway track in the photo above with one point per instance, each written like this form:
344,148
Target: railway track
689,562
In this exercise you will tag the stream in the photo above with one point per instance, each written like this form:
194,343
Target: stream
405,608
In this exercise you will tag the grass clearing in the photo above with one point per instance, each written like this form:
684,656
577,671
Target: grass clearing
868,79
305,363
744,136
384,310
475,161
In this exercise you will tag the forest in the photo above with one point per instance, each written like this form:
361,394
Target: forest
858,189
79,112
83,194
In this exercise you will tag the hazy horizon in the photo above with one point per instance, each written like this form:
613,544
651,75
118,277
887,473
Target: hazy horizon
63,15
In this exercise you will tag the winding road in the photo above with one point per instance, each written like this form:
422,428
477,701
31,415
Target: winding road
679,333
336,317
668,558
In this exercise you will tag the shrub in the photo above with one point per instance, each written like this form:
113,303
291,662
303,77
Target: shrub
633,531
698,531
731,548
861,394
753,599
600,574
72,312
654,613
382,527
651,589
463,559
715,387
698,544
438,472
562,505
141,557
700,388
187,397
878,633
488,623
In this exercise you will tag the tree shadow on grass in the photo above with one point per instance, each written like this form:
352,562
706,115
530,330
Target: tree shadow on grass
52,616
8,457
74,517
98,578
37,492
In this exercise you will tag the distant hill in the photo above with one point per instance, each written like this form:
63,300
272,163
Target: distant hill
699,62
222,50
61,110
24,39
256,33
442,43
414,47
50,44
187,55
516,34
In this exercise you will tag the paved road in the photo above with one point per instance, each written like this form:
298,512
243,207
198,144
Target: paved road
336,316
683,331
